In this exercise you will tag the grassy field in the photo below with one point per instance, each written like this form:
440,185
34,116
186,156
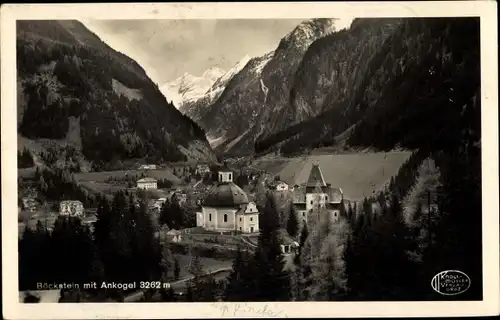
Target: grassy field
104,175
208,264
96,181
358,174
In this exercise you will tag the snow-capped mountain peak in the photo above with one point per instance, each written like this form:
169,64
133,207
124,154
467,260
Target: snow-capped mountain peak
189,87
213,73
219,85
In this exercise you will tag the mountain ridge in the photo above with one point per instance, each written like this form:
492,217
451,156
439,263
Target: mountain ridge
189,88
196,108
252,97
397,75
64,71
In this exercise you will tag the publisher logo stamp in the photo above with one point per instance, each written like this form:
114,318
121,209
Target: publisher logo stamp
450,282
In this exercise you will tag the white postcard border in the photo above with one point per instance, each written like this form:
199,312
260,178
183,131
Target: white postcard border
486,10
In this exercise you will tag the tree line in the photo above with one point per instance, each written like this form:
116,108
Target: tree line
24,159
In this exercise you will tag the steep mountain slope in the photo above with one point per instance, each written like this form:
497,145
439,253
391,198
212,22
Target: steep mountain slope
189,88
195,109
77,94
259,91
407,90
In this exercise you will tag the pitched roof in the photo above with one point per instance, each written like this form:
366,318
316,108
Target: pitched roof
147,180
71,202
335,195
316,177
173,232
285,238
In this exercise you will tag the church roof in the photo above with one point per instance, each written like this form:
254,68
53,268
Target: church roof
316,177
225,194
335,195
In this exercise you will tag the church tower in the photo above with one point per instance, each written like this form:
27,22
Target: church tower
225,176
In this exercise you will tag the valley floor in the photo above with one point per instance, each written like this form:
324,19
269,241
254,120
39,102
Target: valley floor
359,175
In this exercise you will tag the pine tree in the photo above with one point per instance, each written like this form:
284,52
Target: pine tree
168,295
189,292
145,248
303,235
377,261
195,266
166,262
73,251
177,269
207,289
292,225
272,282
350,214
239,282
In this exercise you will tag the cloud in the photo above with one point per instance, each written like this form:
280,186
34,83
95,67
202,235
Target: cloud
168,48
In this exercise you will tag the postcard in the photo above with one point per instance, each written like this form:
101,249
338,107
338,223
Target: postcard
230,160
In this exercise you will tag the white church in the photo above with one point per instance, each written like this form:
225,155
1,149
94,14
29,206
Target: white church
226,208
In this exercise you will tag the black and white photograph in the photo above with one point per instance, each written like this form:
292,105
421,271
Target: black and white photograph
244,162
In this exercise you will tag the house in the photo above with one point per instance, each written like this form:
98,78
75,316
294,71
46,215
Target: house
72,208
202,169
181,197
30,204
317,195
178,195
281,186
158,203
148,167
147,183
288,244
174,236
179,169
226,207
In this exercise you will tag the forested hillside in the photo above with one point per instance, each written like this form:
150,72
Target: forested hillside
422,92
69,78
409,92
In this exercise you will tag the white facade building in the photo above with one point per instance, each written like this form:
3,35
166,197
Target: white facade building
146,183
281,186
226,208
72,208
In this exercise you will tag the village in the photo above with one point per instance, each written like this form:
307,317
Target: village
221,206
222,199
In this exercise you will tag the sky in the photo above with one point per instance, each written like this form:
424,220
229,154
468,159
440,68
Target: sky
167,49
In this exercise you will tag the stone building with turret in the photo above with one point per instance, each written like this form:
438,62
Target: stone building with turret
316,194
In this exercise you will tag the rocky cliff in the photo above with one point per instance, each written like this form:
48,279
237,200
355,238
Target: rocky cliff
251,101
384,83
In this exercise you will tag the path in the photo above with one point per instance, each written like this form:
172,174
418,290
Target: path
243,238
197,183
136,296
